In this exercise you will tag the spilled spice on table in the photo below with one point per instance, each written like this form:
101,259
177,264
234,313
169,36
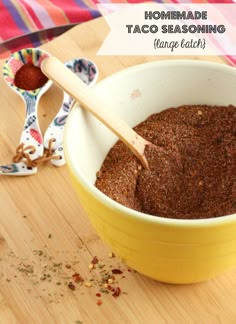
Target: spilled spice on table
104,278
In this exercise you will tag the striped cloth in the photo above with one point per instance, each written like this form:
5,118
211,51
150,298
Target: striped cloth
19,17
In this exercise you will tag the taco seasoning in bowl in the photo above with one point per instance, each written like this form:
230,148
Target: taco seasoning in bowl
168,249
193,177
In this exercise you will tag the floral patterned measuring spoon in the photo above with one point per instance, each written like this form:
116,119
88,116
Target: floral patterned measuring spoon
31,142
87,71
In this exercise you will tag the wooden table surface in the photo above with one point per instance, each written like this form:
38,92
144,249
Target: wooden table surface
45,237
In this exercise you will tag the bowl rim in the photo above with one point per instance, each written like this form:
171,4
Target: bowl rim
128,212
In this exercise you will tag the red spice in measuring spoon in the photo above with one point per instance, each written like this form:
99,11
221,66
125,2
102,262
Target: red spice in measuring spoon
30,77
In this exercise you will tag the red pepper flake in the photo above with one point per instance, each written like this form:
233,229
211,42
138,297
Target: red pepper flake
111,288
116,292
68,266
98,294
116,271
95,260
99,302
71,285
77,277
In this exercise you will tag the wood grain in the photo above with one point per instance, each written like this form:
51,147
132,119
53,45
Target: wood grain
43,228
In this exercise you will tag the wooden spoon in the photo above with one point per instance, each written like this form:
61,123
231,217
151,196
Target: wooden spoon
88,99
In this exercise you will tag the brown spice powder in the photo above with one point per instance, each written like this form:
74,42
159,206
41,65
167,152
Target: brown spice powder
193,177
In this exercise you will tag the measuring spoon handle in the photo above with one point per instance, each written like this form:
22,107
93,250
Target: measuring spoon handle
57,125
31,141
31,134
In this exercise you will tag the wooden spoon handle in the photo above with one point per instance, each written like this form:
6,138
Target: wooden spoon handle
88,99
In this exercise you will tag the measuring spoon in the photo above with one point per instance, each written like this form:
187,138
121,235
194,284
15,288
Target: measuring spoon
31,135
86,71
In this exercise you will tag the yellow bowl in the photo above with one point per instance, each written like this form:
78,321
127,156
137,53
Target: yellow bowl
169,250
